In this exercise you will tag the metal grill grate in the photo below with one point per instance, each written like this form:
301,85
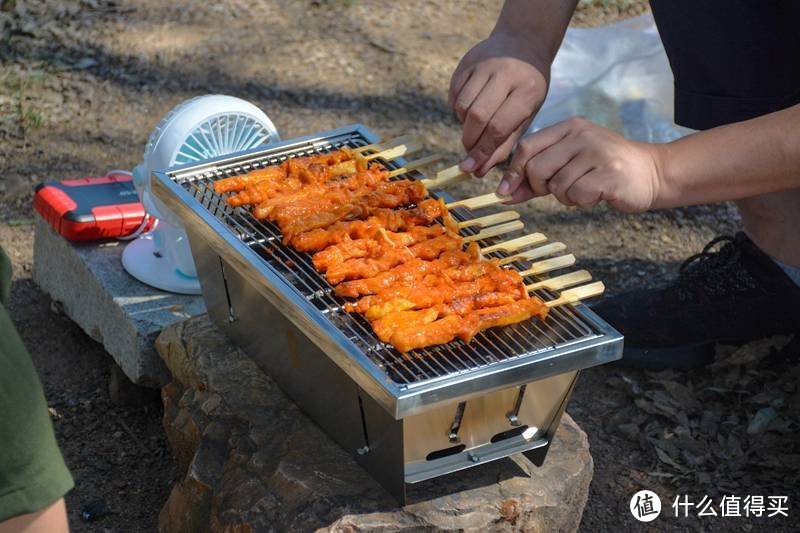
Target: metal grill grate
526,339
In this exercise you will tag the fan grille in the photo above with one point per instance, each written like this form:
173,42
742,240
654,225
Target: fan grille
220,135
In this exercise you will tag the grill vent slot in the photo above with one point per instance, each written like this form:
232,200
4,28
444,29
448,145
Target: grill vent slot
438,454
503,435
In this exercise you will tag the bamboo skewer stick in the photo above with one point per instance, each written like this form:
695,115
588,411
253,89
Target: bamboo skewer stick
477,202
536,253
383,145
548,265
448,176
494,231
561,282
488,220
575,295
515,244
367,148
416,164
396,151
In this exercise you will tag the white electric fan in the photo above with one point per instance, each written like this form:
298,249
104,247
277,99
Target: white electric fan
195,130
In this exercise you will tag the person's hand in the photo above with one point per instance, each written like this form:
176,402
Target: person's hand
496,89
582,164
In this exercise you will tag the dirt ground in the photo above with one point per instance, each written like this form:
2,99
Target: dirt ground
83,82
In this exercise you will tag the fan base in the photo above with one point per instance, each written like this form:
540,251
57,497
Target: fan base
141,261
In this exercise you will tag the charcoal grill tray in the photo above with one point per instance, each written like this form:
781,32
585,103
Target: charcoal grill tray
570,339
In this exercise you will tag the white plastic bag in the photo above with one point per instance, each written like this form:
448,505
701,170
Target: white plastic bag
617,76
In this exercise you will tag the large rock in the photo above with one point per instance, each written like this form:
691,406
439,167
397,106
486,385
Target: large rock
254,462
112,307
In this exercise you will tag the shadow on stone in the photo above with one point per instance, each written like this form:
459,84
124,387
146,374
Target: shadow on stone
254,462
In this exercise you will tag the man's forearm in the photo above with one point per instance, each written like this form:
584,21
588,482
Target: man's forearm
544,22
731,162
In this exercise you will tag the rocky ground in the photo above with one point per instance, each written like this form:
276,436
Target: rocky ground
82,83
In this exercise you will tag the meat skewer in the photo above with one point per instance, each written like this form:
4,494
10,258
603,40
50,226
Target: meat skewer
321,213
425,213
427,294
300,220
284,191
411,334
297,171
451,267
373,245
386,325
329,207
358,208
271,174
336,177
419,331
414,270
343,190
383,241
293,168
387,255
390,220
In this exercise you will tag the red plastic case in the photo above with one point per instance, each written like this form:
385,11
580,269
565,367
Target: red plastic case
91,208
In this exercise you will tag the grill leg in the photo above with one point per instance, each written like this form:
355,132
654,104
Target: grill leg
385,460
536,456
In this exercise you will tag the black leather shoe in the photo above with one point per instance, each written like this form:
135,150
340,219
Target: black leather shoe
731,292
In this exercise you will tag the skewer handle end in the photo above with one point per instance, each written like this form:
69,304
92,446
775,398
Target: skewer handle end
494,231
478,202
561,282
449,176
575,295
516,244
548,265
488,220
408,147
536,253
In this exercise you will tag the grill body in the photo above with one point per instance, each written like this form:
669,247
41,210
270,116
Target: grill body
405,419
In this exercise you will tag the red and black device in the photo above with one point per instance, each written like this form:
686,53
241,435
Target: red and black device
92,208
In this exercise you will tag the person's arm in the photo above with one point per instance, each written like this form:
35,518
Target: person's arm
50,519
731,162
583,164
501,82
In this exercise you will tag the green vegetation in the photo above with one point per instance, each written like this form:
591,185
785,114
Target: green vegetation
18,115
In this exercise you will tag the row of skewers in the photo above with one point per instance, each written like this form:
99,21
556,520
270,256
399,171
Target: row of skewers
396,253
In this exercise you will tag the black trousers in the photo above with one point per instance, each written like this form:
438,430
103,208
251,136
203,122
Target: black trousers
732,59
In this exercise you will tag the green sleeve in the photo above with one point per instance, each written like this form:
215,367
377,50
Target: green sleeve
32,470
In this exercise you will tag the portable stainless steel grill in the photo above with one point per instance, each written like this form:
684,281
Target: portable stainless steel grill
405,418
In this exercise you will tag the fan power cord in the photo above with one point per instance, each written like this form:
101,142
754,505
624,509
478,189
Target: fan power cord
145,220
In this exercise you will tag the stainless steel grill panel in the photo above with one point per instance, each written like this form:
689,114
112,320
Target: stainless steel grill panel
571,338
527,338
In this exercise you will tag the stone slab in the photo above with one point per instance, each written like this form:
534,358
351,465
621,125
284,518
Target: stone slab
111,306
255,463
